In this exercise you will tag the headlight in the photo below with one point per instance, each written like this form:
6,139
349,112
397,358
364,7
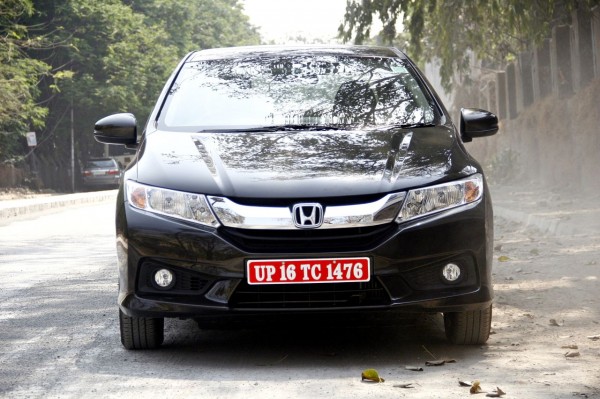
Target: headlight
428,200
186,206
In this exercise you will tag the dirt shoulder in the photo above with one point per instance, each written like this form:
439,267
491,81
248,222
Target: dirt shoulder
547,309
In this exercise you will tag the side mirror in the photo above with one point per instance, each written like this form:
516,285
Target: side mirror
116,129
477,123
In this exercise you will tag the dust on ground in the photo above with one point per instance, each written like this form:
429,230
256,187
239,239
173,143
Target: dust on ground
546,324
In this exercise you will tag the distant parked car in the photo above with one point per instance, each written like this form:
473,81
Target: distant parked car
292,180
101,172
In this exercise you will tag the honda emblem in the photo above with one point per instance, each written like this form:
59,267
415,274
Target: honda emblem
308,216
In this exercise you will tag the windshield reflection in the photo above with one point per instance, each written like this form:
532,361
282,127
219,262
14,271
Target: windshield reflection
328,90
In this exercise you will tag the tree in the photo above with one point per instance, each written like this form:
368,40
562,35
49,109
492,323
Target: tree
105,57
121,52
20,74
200,24
449,30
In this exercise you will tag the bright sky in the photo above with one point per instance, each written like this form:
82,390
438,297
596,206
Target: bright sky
283,20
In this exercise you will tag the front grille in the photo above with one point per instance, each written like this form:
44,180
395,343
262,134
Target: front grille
308,240
313,296
325,201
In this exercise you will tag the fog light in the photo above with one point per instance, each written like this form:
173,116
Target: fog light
164,278
451,272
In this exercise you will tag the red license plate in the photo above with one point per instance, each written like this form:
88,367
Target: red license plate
298,271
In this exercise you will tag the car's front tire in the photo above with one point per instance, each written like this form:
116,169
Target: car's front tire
468,328
141,332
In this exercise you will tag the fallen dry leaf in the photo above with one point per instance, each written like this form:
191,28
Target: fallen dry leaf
569,347
572,354
475,387
503,258
553,323
496,394
464,383
594,337
409,385
439,362
413,368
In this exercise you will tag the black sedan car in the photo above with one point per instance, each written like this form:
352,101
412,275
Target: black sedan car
292,180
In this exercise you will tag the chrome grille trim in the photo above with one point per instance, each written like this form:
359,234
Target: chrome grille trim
240,216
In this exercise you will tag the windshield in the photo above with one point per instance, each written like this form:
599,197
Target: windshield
314,90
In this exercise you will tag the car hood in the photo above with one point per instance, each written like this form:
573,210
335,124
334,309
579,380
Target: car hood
300,164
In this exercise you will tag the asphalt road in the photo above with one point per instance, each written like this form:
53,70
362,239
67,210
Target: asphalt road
59,330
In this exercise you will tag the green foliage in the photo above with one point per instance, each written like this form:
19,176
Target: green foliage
449,30
19,76
97,57
200,24
119,62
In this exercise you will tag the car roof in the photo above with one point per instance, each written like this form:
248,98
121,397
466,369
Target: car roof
277,50
90,160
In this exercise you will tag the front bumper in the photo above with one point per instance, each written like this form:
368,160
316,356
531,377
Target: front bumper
406,267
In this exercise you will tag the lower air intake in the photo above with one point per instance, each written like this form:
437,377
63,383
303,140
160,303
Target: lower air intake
309,296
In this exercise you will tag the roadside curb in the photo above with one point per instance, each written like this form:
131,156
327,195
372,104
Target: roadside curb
15,209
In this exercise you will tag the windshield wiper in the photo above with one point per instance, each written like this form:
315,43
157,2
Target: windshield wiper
396,126
415,125
277,128
311,127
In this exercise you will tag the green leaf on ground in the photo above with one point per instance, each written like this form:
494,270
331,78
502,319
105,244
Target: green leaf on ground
371,375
